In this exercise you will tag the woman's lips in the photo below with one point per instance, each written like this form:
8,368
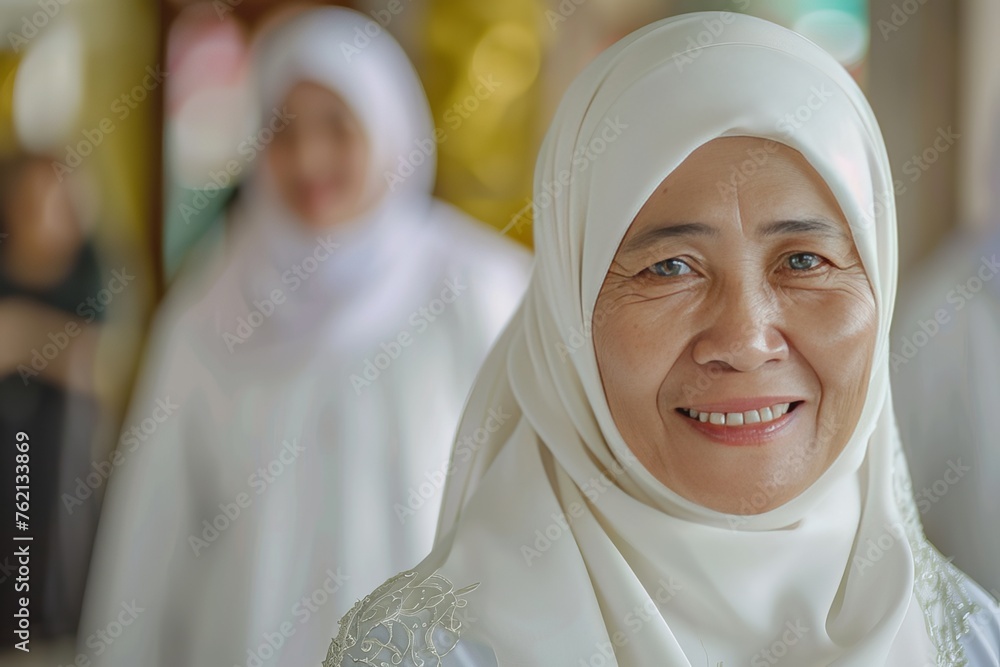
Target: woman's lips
742,427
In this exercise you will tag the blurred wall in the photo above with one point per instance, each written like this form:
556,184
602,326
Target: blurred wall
913,89
979,111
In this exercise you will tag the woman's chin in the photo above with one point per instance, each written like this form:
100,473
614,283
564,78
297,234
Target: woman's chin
748,469
748,498
321,218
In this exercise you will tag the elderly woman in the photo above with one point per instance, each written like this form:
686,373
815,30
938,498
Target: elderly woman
698,463
306,387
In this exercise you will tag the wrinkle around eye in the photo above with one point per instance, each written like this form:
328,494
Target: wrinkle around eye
804,277
612,301
823,288
621,289
822,276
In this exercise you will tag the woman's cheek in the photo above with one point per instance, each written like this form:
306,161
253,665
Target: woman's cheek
632,342
835,335
833,318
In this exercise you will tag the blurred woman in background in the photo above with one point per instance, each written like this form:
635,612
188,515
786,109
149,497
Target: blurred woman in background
306,384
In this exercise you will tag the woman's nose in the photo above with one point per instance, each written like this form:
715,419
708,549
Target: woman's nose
742,331
310,156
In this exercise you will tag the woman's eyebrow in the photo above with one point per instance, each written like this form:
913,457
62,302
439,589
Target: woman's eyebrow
821,226
651,236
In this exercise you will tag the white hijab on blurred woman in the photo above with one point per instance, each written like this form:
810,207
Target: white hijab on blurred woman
289,438
557,546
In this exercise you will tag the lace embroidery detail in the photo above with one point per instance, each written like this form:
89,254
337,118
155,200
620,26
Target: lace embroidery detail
405,621
937,583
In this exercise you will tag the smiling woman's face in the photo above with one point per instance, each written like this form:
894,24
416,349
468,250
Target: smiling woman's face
735,329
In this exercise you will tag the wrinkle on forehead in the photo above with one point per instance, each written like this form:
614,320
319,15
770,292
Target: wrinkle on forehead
723,162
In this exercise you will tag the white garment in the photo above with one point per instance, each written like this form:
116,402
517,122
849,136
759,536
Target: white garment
555,546
299,408
946,366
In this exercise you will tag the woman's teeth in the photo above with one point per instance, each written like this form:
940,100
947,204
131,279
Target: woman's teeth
741,418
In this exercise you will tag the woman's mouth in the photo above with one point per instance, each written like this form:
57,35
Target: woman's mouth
762,415
742,427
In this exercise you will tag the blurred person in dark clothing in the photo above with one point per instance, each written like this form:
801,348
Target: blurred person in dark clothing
48,272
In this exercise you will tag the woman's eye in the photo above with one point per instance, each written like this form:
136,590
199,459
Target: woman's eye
803,261
670,268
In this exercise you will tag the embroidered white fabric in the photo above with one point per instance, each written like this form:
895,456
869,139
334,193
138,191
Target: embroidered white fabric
407,621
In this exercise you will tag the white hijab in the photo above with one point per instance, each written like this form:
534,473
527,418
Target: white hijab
578,551
378,252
